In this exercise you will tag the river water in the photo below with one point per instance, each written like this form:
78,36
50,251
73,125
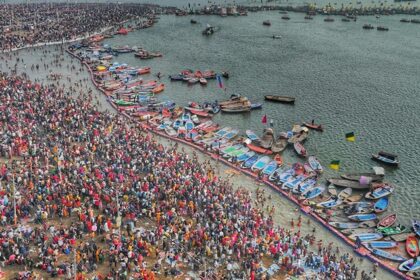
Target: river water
348,79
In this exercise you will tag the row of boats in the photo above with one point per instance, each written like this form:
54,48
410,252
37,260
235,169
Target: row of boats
193,77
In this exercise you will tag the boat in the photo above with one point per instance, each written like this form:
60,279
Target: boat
412,246
344,193
379,192
307,184
192,135
347,184
203,81
280,99
275,175
332,190
267,139
368,26
314,192
223,131
255,106
252,136
250,162
245,156
267,23
259,149
410,265
345,19
193,21
387,255
414,274
235,154
230,149
382,28
315,164
170,131
381,244
182,131
286,175
294,182
260,163
308,17
368,224
404,20
387,221
357,176
365,237
285,17
330,203
241,109
233,100
231,134
299,137
270,168
387,231
279,145
386,158
351,231
381,205
401,237
341,225
416,227
300,149
363,217
328,19
195,119
201,113
317,127
189,125
354,198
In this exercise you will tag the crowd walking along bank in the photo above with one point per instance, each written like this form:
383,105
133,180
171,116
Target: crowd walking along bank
86,194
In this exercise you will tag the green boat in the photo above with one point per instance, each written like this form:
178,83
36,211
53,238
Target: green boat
124,103
387,231
231,149
239,152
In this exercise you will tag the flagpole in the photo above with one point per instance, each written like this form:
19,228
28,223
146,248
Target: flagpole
14,199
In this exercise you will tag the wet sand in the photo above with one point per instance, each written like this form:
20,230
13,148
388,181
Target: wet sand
61,63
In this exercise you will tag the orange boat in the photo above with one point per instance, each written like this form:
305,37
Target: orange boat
142,71
201,113
259,149
278,159
159,89
198,74
412,246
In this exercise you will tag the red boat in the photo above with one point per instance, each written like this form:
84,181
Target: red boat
201,113
317,127
211,128
300,149
278,159
412,246
142,71
259,149
198,74
387,221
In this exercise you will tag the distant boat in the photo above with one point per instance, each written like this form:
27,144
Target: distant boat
386,158
281,99
405,20
266,23
345,19
193,21
328,19
317,127
382,28
308,17
285,17
368,26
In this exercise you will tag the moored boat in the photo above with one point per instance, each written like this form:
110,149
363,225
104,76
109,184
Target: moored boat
363,217
381,191
387,255
412,246
410,265
416,227
279,145
381,244
260,163
267,139
315,164
381,205
300,149
281,99
358,176
386,158
348,184
387,221
365,237
317,127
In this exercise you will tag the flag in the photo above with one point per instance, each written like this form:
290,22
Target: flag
219,81
350,137
335,164
264,119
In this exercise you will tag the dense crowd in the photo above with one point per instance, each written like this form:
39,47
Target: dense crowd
30,24
90,191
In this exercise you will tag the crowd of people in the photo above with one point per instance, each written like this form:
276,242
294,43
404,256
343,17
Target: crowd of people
29,24
89,191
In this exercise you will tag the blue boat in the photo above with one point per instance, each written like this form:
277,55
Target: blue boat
363,217
250,162
416,227
340,225
178,77
368,236
381,244
307,184
286,175
186,117
252,136
261,163
410,265
294,182
245,157
312,193
223,131
231,134
380,192
315,164
177,124
381,205
256,106
387,255
275,175
330,203
189,125
270,168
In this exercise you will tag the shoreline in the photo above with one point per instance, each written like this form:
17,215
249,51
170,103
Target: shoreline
306,210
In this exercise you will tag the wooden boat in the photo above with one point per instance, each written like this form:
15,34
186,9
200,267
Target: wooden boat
317,127
230,149
259,150
357,176
281,99
381,244
223,131
300,149
412,246
380,192
332,190
286,175
351,231
386,158
354,198
410,265
252,136
279,145
255,106
267,139
416,227
363,217
260,164
387,255
234,99
189,125
237,153
401,237
201,113
341,225
315,164
388,220
347,184
368,236
381,205
231,134
345,194
242,109
300,137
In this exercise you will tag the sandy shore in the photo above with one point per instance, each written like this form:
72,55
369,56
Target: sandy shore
285,210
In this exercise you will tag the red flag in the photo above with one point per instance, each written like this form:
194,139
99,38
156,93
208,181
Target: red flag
264,119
